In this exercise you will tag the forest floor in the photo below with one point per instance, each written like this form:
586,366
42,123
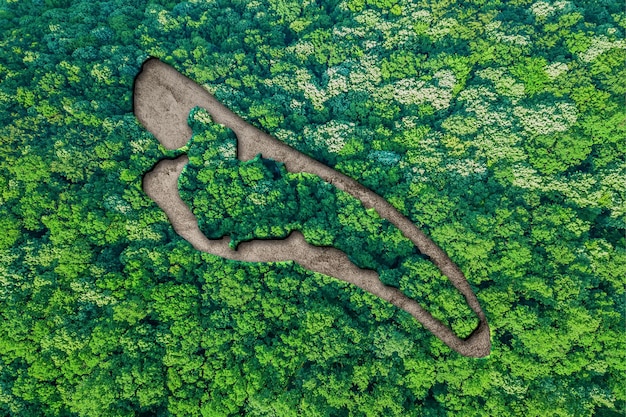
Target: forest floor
163,99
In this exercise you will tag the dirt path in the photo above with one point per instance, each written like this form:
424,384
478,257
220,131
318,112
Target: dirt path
163,99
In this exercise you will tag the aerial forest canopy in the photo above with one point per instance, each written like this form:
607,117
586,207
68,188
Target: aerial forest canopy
497,127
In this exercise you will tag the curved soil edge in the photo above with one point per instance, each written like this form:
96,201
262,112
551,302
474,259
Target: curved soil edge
162,100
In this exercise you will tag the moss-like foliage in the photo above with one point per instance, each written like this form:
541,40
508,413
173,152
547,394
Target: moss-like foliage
497,127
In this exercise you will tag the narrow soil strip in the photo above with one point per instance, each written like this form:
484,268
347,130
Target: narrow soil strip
163,99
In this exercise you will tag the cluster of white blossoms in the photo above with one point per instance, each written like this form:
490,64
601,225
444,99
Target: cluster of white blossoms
445,79
555,69
228,149
543,9
545,119
264,193
284,135
520,40
441,28
581,188
358,31
497,138
492,123
331,136
497,144
283,82
297,106
317,96
499,36
407,122
420,15
599,45
370,44
351,75
399,38
505,85
477,95
430,159
525,176
116,203
405,91
466,168
482,102
301,49
439,98
304,82
603,190
411,91
366,73
202,116
373,19
337,82
140,145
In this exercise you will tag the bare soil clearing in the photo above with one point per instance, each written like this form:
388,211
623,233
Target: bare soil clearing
163,99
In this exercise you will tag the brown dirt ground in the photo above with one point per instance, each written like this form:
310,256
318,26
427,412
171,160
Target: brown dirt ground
163,99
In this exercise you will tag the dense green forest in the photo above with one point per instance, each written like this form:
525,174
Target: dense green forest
498,127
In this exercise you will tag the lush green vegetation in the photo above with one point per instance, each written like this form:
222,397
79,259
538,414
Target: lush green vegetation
496,126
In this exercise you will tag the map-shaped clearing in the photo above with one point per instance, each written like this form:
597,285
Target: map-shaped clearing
163,99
